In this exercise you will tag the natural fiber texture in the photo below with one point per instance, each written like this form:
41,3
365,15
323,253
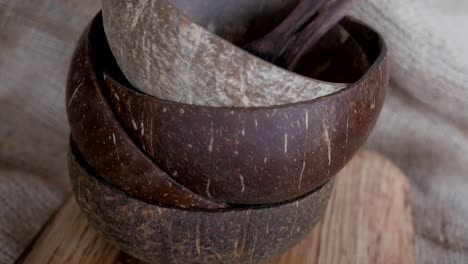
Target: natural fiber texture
424,125
423,128
26,201
36,42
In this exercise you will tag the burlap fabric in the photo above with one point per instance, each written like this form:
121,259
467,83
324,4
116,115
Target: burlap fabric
423,128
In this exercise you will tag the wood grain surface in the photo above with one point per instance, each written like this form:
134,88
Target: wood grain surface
368,220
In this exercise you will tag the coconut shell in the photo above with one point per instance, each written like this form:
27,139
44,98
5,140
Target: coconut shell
166,54
260,155
167,235
105,144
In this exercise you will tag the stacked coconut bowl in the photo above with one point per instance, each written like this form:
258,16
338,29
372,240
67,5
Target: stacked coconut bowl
187,149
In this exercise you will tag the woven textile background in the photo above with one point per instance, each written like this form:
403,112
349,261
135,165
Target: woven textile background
423,127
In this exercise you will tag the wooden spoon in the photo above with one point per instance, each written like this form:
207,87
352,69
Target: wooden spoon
329,14
308,22
271,45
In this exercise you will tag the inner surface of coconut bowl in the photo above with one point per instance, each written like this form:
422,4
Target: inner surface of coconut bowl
163,52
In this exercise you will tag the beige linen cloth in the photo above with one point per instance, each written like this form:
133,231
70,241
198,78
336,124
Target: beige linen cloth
423,127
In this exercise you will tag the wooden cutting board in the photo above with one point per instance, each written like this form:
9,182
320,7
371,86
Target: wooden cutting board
368,220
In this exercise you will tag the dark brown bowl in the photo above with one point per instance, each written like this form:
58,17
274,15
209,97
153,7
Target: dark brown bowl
257,155
167,235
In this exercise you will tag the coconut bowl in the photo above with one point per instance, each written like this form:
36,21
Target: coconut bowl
234,155
185,51
159,234
170,182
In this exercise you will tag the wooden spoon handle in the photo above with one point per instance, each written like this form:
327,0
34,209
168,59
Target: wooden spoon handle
273,44
329,15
